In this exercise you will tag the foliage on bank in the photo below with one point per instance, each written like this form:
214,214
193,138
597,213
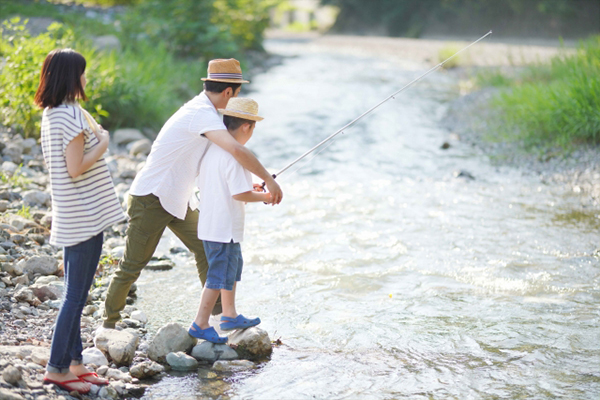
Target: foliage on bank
165,46
555,105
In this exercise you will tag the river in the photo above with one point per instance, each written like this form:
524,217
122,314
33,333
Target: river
383,273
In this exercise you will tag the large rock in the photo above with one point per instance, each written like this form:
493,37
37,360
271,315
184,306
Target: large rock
44,265
37,198
95,356
19,222
14,153
51,291
181,362
40,355
207,351
24,294
11,375
233,365
252,343
142,146
127,135
119,345
146,369
170,338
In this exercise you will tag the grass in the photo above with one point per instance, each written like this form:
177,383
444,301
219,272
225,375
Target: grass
552,106
24,212
16,180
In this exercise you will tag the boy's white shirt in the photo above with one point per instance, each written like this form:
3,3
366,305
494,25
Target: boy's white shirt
172,167
221,218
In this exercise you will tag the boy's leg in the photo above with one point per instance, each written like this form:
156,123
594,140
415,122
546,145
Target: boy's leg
207,302
187,232
146,225
228,300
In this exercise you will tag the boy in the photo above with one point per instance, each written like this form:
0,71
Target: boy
224,188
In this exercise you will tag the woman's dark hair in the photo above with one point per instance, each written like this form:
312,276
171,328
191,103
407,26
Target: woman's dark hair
219,87
60,79
232,123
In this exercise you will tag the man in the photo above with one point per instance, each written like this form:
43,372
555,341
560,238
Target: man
160,194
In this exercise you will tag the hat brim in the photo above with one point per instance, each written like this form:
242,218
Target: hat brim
240,115
225,80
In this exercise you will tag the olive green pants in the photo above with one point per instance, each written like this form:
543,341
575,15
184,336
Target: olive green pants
148,220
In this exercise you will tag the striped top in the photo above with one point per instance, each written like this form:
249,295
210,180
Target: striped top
84,206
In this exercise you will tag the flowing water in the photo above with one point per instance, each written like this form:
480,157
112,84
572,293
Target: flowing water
383,274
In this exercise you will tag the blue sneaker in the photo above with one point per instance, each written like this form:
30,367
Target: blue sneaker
239,322
208,334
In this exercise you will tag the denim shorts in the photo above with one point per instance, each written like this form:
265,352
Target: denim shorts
224,264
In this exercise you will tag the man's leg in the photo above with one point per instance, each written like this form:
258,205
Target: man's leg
146,225
187,232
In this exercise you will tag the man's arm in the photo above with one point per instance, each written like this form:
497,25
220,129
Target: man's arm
224,140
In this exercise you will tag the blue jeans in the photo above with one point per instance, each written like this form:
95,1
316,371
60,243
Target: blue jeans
81,261
224,264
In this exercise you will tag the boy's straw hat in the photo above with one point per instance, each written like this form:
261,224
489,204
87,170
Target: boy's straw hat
241,107
221,70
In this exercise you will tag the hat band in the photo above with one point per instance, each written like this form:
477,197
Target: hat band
242,112
224,76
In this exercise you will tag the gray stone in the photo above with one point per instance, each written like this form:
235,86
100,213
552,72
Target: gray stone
124,136
37,198
142,146
21,280
28,145
13,269
169,339
93,355
14,153
207,351
40,355
139,316
11,375
160,265
9,168
19,222
233,365
146,369
119,345
4,205
102,370
182,362
46,221
51,291
44,265
6,394
113,373
24,294
117,252
108,392
252,343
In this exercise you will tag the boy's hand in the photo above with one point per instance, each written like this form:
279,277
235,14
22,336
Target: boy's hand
258,187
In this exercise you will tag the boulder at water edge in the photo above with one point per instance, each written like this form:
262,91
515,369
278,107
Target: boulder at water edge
169,339
207,351
233,365
252,343
146,369
181,362
119,345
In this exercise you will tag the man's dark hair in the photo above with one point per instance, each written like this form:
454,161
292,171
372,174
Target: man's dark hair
60,79
233,123
219,87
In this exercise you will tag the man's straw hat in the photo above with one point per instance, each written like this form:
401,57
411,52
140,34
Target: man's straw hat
241,107
221,70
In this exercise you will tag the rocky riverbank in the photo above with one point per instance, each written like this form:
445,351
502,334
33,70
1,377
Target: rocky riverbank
32,285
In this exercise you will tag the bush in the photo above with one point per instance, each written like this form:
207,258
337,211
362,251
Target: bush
557,105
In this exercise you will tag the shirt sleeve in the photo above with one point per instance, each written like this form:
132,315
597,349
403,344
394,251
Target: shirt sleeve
239,179
72,127
205,120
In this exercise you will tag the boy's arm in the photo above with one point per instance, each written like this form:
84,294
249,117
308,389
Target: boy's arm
224,140
253,197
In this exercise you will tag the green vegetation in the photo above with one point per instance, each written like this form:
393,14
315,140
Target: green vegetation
555,105
15,180
24,212
165,46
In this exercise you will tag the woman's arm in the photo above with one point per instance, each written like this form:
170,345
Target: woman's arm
77,161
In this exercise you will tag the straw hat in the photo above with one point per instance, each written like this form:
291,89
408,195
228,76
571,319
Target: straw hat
221,70
241,107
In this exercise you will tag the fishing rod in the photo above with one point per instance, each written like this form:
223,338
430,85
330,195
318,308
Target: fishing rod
369,111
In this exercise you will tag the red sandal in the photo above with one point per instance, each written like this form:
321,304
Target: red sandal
65,385
95,375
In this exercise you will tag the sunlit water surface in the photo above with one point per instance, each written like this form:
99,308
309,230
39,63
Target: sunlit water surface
383,274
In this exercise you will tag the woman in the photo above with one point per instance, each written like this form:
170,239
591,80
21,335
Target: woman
83,205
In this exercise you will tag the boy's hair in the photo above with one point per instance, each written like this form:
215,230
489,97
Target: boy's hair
219,87
60,79
233,123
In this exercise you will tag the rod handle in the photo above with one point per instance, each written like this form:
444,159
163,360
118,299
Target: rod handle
264,183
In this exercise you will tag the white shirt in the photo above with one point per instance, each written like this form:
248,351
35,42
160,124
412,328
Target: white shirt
221,218
82,207
174,161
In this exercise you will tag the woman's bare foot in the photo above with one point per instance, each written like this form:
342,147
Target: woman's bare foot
81,387
86,375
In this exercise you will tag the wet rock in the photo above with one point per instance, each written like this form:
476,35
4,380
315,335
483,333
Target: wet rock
182,362
11,375
463,174
37,198
113,373
119,345
142,146
160,265
44,265
94,356
169,339
252,343
146,369
207,351
445,146
233,365
108,392
124,136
